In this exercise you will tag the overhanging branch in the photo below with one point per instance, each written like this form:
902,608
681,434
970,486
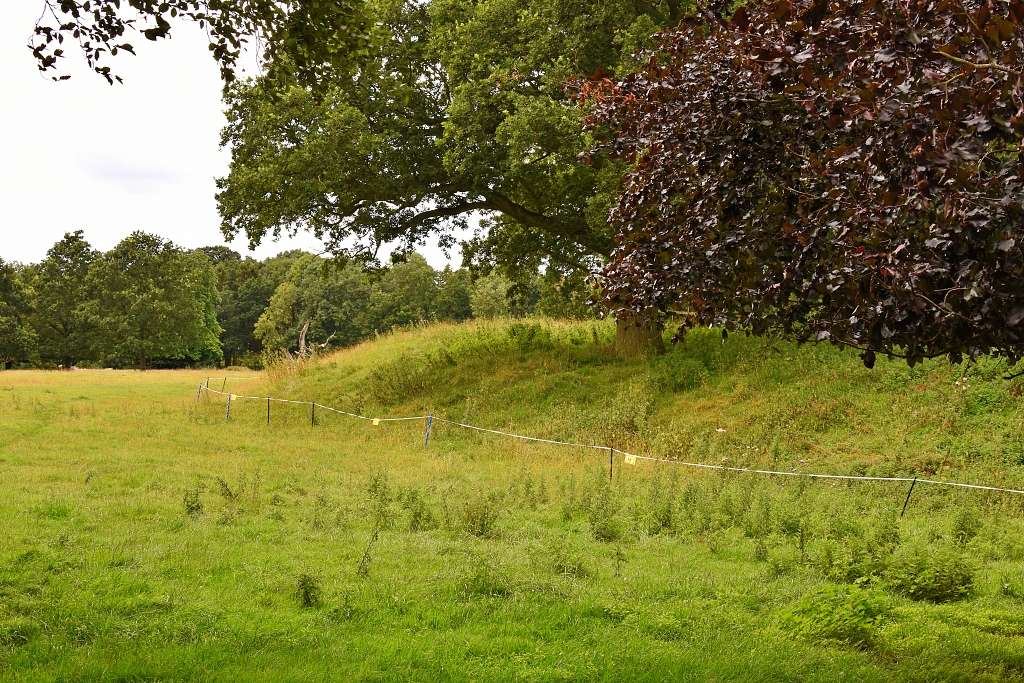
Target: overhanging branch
447,211
595,244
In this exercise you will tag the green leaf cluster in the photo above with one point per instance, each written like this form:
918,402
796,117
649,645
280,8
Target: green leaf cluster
345,305
459,108
845,614
246,287
64,328
296,39
16,337
152,299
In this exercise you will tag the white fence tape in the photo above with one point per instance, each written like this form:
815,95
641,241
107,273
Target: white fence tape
670,461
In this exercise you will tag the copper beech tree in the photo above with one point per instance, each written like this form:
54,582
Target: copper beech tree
841,171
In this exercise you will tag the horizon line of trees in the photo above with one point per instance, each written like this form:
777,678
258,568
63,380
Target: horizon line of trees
148,303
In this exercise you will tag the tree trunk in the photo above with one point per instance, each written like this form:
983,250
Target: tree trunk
638,335
8,364
302,340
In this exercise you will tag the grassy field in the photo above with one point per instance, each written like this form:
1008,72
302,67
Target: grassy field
148,539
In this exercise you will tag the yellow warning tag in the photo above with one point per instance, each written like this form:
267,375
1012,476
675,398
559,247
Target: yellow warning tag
630,460
230,396
376,421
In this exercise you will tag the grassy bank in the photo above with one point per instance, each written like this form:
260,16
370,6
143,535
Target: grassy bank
148,539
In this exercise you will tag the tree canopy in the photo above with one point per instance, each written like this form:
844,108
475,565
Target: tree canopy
345,306
827,170
62,323
153,299
16,336
459,108
819,169
246,287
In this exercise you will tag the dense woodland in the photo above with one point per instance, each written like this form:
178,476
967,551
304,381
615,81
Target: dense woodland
149,303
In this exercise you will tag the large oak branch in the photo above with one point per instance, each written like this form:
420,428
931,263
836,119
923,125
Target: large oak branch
495,201
595,244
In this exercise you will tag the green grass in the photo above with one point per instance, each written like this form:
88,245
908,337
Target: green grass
147,539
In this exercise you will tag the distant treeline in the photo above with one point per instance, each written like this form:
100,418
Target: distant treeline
149,303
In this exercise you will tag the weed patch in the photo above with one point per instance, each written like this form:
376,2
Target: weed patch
480,515
482,579
308,591
604,525
193,504
845,614
421,517
932,574
366,559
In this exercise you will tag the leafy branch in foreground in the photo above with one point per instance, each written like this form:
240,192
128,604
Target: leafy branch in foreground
849,172
296,38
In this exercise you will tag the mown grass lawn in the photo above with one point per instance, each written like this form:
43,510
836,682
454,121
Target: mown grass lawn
146,538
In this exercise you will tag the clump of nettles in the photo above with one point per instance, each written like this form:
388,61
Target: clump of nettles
932,575
603,524
966,525
193,505
380,499
225,491
308,591
567,561
233,498
525,491
844,614
363,568
421,517
655,512
480,515
620,559
483,579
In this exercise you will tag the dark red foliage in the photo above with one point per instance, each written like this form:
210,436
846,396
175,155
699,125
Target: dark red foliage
837,171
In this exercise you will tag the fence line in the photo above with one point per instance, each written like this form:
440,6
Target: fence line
628,457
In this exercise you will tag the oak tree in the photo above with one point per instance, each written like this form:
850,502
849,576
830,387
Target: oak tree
17,339
461,108
152,299
60,298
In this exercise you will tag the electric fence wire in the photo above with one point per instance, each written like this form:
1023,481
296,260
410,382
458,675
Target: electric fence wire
626,455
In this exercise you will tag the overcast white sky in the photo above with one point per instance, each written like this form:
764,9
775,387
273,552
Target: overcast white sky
81,154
